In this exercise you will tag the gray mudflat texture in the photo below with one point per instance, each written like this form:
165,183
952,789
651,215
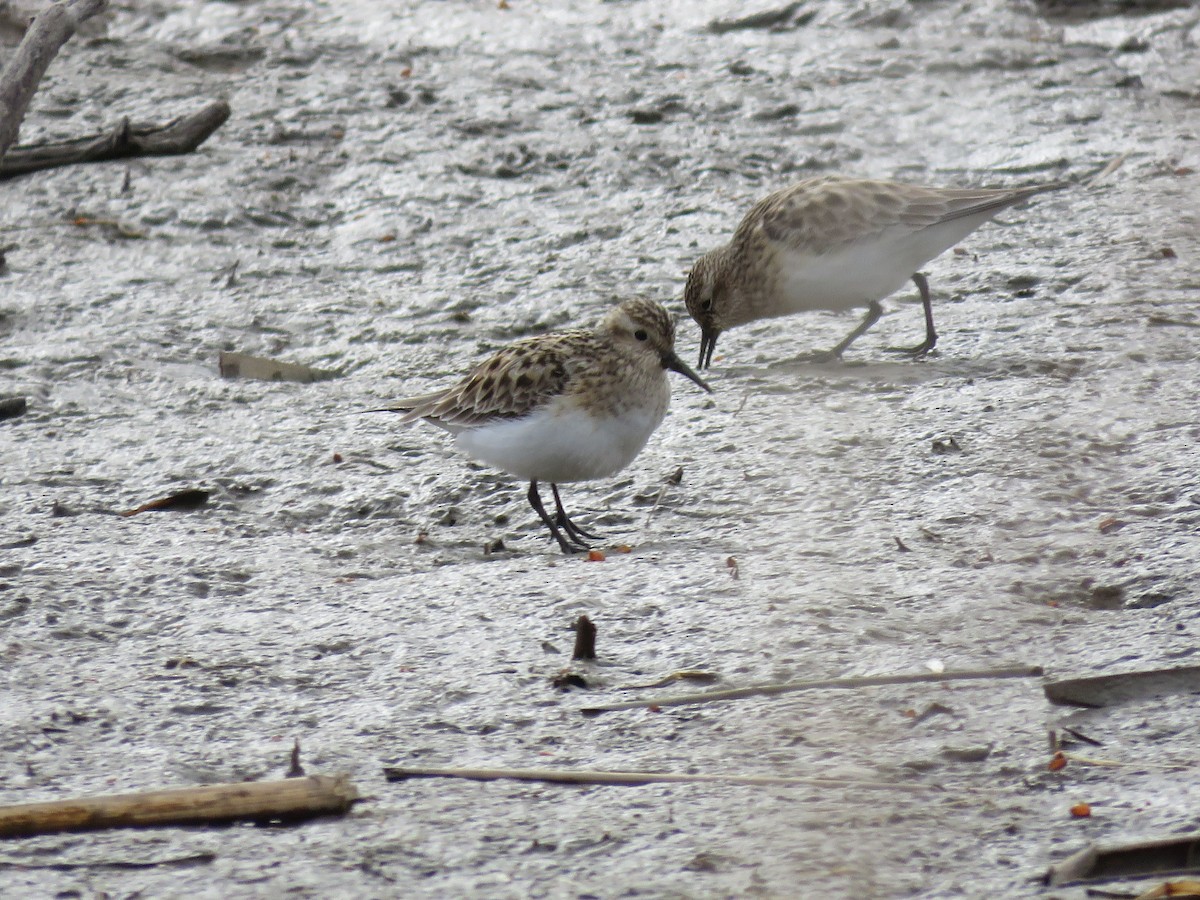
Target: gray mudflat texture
403,187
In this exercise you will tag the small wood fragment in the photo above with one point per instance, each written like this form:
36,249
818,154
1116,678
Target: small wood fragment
767,19
1177,855
1178,889
585,639
633,779
11,407
1166,320
771,690
242,365
192,498
292,799
1121,687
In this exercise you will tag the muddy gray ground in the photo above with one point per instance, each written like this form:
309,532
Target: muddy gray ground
402,190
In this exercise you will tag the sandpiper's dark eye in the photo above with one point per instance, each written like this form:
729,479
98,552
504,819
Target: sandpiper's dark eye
640,334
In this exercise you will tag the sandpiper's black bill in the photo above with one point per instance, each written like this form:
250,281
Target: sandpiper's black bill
675,364
708,343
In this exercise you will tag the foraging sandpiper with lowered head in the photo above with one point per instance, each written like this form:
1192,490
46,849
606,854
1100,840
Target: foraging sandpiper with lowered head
565,406
835,243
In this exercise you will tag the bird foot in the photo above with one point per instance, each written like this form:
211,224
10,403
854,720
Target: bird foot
571,547
922,349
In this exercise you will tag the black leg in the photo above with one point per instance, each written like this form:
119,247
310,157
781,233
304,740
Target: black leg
874,311
930,335
577,534
535,500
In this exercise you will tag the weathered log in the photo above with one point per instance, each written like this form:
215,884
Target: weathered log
49,30
181,135
293,799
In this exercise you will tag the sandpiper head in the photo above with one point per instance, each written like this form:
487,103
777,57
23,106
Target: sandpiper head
701,298
648,325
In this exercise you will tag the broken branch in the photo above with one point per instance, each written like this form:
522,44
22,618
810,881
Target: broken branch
181,135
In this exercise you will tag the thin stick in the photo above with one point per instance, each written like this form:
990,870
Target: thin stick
1112,166
630,779
291,799
49,30
770,690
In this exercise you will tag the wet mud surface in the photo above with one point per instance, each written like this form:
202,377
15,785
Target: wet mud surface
400,191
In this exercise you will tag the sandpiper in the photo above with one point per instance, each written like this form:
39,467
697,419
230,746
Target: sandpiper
835,243
565,406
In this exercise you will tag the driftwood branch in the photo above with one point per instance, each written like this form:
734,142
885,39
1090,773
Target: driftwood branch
181,135
293,799
633,779
49,30
770,690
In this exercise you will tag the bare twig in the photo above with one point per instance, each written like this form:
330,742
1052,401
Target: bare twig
632,779
181,135
770,690
51,29
1112,166
291,799
174,862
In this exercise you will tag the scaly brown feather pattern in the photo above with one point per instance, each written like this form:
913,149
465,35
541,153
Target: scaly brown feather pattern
819,215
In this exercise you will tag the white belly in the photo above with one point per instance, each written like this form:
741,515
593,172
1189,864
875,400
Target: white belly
567,445
871,269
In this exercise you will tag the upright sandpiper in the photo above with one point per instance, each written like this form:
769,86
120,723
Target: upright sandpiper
566,406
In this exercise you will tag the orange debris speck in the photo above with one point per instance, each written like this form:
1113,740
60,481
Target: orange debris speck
1057,761
595,556
1081,810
